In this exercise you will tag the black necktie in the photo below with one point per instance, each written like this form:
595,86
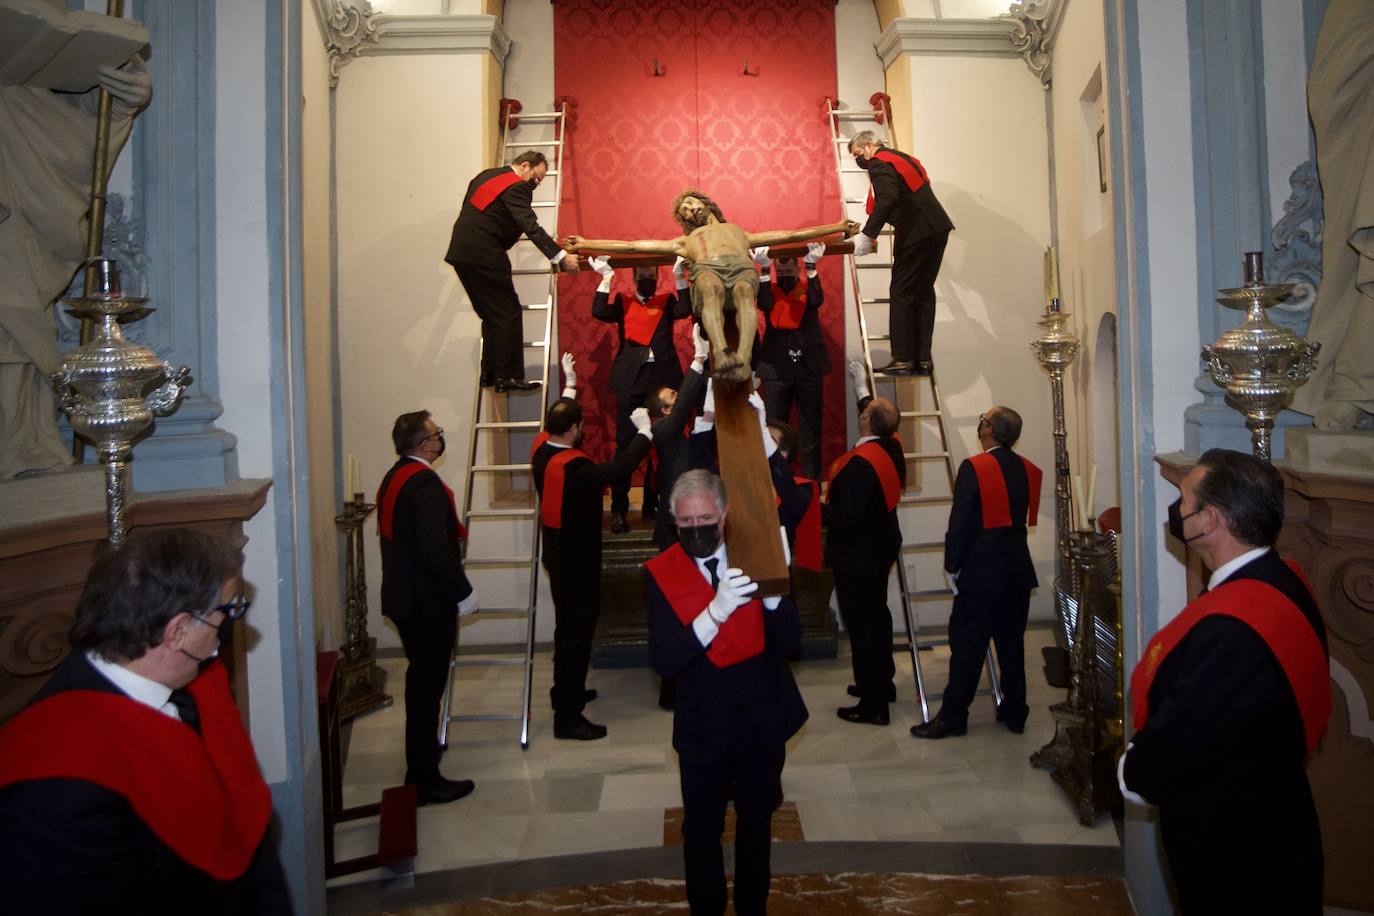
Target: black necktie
186,707
711,568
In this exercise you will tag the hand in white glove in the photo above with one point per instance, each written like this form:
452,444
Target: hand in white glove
640,418
701,346
601,264
680,270
760,256
569,370
863,245
769,446
786,547
468,604
731,594
952,580
859,376
708,406
814,252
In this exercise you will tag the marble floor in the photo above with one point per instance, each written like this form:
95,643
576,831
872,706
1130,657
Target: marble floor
849,783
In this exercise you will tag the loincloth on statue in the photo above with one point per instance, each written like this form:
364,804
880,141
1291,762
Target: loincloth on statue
731,268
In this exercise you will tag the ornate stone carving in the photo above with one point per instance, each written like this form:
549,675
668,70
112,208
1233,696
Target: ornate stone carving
1297,250
1035,22
348,24
31,646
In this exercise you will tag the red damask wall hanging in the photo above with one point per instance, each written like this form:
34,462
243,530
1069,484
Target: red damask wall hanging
663,102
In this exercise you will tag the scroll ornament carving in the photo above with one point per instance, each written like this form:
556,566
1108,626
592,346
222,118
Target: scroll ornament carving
1297,255
1031,35
348,25
1350,606
33,645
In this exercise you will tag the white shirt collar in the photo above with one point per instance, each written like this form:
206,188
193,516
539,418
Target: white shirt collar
419,459
137,687
863,439
721,566
557,444
1223,572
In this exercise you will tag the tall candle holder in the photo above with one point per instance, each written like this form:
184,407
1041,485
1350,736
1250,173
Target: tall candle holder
361,679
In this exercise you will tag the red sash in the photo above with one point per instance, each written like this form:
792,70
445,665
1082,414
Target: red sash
203,796
551,500
390,490
679,578
809,531
641,321
492,188
1281,625
788,309
992,491
539,439
908,167
878,459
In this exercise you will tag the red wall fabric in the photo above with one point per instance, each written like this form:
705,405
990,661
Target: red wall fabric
758,145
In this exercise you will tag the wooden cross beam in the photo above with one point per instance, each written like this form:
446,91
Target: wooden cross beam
655,260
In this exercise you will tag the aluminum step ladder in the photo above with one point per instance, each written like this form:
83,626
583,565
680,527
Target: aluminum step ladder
497,434
869,277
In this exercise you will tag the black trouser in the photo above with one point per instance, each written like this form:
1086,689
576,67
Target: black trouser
625,403
576,602
803,389
428,645
862,596
911,315
984,613
705,780
492,292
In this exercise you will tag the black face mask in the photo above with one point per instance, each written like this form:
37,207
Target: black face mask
1176,518
646,287
442,445
862,162
699,540
202,663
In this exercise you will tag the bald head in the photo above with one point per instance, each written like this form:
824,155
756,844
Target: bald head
879,418
1004,425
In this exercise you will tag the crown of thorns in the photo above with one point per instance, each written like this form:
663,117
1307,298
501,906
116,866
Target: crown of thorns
693,192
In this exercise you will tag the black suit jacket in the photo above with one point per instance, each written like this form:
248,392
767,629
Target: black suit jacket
73,847
630,356
422,562
753,705
576,547
863,535
484,236
914,215
774,360
994,555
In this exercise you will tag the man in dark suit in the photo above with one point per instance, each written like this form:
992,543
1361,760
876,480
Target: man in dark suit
645,360
129,784
1230,698
570,486
990,571
864,540
792,361
424,590
901,195
737,703
496,211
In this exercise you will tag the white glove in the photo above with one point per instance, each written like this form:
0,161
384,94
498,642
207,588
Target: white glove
769,446
640,418
701,347
814,252
786,548
680,271
708,406
863,245
468,604
952,580
1126,793
760,256
731,594
771,604
569,370
601,264
860,379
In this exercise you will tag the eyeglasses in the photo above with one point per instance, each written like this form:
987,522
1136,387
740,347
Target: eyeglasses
439,431
232,609
983,420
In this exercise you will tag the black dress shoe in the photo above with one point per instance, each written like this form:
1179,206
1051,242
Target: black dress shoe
443,791
579,729
1015,728
897,367
924,367
853,691
515,385
864,716
936,729
619,523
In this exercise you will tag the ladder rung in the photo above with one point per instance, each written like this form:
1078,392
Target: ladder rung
537,116
501,513
499,561
498,661
534,344
510,424
871,266
879,337
535,307
924,545
924,456
494,717
854,171
923,500
878,300
502,613
543,203
530,271
925,593
523,143
496,468
846,115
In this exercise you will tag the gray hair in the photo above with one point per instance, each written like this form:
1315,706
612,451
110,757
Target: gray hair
863,138
698,481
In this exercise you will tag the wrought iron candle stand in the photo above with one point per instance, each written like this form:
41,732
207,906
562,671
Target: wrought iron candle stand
1259,363
360,678
103,385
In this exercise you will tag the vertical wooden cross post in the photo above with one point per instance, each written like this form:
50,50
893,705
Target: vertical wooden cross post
751,525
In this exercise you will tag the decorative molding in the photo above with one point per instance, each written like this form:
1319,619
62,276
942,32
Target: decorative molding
1297,254
981,37
1036,26
347,26
441,34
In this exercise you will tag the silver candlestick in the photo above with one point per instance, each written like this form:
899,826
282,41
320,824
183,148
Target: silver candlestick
1259,363
361,679
103,386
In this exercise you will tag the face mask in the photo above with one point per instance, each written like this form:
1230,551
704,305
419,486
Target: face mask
442,445
1176,518
202,663
862,162
646,287
699,540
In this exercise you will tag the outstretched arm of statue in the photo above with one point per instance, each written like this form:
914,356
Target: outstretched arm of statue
576,243
784,236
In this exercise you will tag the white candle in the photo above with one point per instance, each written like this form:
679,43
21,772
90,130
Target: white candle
1092,492
1080,521
357,474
